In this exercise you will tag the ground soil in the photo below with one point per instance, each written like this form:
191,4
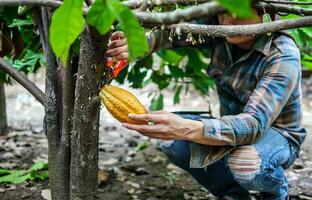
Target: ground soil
124,172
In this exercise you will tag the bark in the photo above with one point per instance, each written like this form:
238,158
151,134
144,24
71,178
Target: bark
3,118
137,3
59,149
253,29
84,138
208,10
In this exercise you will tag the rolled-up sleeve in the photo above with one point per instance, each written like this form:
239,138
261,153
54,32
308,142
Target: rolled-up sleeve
280,77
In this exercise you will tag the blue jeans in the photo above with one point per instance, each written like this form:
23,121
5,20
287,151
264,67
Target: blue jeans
233,176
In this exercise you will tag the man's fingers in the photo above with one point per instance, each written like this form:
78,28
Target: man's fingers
123,56
117,35
148,118
159,112
117,43
117,51
142,128
153,131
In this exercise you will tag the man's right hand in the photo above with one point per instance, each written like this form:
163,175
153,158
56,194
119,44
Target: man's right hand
118,47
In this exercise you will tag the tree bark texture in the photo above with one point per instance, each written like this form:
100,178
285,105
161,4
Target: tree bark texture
3,118
85,133
59,149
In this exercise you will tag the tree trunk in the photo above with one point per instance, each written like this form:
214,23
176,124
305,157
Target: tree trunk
84,138
3,118
57,135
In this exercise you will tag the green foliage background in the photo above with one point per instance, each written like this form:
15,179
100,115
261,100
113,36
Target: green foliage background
177,69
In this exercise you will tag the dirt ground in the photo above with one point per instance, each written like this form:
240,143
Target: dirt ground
124,172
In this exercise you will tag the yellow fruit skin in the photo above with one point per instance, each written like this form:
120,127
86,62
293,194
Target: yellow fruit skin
120,103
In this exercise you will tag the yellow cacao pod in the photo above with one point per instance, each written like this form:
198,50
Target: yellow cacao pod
120,103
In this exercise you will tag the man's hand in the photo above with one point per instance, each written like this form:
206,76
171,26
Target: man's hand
118,47
165,125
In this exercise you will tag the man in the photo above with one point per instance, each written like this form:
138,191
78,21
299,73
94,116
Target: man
260,132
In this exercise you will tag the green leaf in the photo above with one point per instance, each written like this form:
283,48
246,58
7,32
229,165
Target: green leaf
4,172
67,23
143,145
20,22
101,16
135,34
14,177
39,166
170,56
161,80
176,98
20,176
203,84
176,72
157,103
136,76
30,62
241,8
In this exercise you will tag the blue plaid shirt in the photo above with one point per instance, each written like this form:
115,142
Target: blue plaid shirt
261,89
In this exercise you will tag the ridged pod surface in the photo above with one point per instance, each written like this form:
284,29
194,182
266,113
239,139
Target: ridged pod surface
120,103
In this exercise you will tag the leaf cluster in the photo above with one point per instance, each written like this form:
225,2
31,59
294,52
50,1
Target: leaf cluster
38,171
20,41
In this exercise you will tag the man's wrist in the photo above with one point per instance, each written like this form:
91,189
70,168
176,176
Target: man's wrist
196,130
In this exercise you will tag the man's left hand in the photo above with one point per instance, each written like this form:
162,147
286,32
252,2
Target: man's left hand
164,125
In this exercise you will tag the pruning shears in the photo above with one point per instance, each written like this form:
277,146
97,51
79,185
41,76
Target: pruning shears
111,71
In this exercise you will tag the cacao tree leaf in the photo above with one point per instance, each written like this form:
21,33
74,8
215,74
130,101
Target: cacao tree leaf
176,98
136,76
203,84
157,103
170,56
241,8
100,16
135,34
20,22
161,80
142,146
14,176
39,166
176,72
66,25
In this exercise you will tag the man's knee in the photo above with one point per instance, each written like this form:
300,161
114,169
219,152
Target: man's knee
244,163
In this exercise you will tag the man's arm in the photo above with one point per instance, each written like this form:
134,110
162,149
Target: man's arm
280,78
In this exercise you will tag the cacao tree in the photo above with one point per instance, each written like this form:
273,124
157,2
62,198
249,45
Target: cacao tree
74,36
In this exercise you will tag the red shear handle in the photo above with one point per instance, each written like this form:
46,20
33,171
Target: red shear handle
119,67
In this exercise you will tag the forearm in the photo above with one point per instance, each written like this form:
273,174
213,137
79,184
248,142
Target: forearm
196,135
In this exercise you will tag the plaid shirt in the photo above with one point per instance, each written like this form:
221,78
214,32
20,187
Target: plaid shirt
261,89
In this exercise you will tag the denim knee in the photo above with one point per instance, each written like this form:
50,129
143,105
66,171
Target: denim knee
251,173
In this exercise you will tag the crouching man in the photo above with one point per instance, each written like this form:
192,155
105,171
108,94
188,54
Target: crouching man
260,132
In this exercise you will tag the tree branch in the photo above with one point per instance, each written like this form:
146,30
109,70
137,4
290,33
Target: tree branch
253,29
284,8
45,3
206,9
133,4
287,2
23,80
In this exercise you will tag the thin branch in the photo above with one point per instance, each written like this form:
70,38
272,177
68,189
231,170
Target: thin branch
206,9
284,8
133,4
45,3
254,29
23,80
287,2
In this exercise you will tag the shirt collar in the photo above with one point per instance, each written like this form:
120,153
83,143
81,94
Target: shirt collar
263,44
